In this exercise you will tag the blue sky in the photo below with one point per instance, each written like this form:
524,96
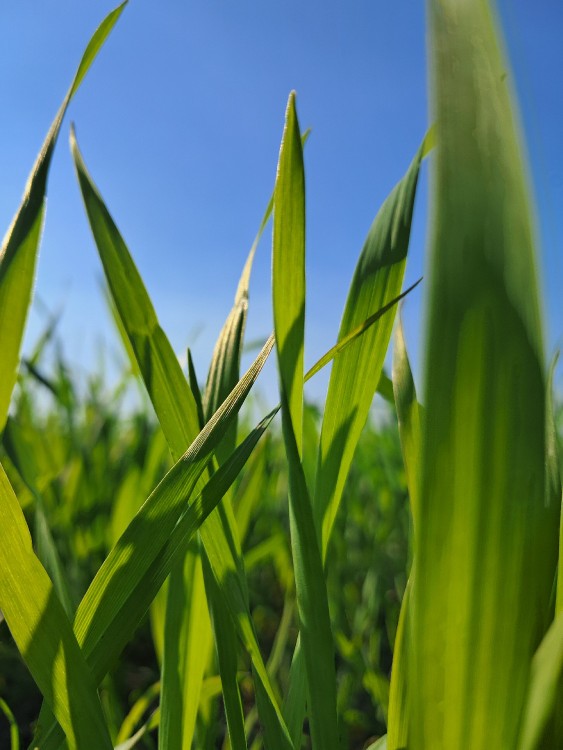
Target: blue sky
180,119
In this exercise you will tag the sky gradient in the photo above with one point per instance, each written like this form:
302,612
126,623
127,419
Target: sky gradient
179,122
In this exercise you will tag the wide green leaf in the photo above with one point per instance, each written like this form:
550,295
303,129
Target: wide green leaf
18,254
486,540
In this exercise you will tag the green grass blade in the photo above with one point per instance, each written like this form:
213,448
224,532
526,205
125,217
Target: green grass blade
289,319
125,584
250,491
314,619
554,495
384,382
22,450
380,744
151,723
43,633
187,634
398,718
223,373
486,542
159,366
176,410
288,268
194,385
18,254
185,657
296,696
356,372
559,598
136,713
226,644
553,476
225,363
409,417
14,731
545,685
104,630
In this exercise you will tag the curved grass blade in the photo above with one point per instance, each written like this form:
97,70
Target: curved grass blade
187,635
398,720
136,713
288,269
151,723
288,264
42,631
21,448
223,373
553,477
18,254
250,491
356,373
545,685
554,495
14,731
225,363
383,382
104,630
486,546
224,368
177,412
185,658
380,744
227,654
409,418
194,385
156,360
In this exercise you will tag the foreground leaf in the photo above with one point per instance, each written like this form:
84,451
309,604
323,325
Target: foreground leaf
486,540
18,254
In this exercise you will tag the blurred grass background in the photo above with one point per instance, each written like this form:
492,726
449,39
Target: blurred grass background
95,452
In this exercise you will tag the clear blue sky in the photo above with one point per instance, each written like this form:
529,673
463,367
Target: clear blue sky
180,120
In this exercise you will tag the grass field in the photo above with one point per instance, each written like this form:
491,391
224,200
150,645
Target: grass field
175,575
